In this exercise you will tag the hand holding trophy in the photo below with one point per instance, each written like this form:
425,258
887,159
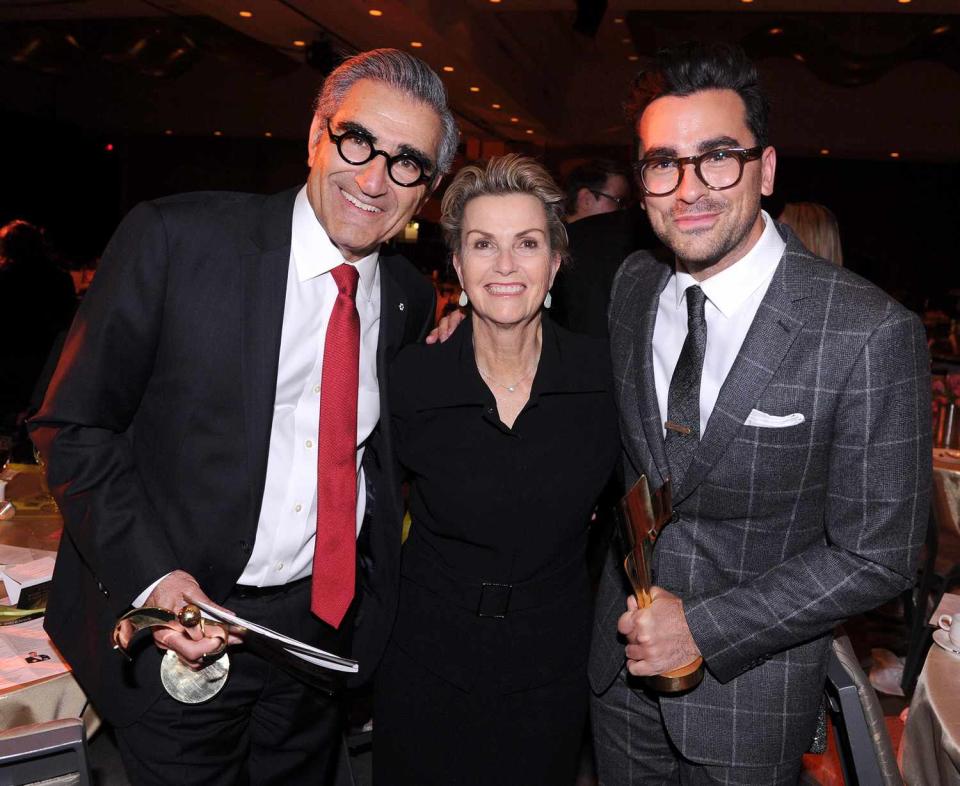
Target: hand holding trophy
641,516
195,665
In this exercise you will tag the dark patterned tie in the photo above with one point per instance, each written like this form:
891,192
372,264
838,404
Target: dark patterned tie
683,400
334,558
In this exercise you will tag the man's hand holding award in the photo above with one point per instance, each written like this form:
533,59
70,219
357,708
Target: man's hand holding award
660,647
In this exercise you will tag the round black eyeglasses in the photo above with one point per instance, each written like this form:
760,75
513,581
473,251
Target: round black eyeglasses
357,148
717,169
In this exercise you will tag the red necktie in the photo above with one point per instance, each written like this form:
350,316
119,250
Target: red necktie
334,554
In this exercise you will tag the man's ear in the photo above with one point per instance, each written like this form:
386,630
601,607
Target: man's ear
317,127
768,170
585,199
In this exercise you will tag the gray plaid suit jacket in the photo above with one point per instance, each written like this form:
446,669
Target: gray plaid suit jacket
782,532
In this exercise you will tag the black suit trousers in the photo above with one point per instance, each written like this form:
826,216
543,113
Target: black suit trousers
267,726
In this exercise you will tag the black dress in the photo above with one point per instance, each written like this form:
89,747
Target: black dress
484,679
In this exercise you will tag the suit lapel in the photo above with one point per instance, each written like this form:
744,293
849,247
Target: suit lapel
264,266
772,333
393,322
639,407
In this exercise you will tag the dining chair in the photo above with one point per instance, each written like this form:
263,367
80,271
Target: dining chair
39,752
866,752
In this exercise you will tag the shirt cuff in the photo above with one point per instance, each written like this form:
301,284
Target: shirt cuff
142,597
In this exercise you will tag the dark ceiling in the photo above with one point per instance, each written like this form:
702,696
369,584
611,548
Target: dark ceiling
861,78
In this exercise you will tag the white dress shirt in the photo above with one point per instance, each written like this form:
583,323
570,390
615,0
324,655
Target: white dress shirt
733,297
283,551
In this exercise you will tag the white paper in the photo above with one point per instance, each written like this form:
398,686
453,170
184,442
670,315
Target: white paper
16,578
17,555
305,652
27,654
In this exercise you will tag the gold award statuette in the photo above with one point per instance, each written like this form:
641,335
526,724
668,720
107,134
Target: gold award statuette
641,516
180,681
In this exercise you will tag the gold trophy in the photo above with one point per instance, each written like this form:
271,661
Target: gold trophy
641,516
180,681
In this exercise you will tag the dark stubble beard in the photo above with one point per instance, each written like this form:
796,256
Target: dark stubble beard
728,238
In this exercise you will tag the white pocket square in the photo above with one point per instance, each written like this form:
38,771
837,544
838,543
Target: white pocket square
763,420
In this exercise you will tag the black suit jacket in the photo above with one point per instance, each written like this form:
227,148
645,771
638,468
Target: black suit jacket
156,426
598,246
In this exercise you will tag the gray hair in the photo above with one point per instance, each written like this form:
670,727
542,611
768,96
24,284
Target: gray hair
400,71
509,174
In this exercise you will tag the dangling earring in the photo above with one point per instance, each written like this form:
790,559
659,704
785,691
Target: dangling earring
547,300
463,298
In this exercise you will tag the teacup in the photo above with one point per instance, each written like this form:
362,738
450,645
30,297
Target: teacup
952,627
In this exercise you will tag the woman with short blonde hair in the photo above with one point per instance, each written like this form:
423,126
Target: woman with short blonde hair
508,434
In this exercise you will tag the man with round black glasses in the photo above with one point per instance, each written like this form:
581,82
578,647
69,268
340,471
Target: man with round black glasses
787,402
218,429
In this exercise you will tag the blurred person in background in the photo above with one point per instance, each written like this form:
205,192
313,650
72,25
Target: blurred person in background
598,186
817,228
37,303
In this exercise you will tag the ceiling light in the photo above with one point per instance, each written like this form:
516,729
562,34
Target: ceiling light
799,58
514,119
168,132
633,58
246,14
903,2
625,40
495,106
747,2
268,134
448,69
824,151
941,30
474,89
375,12
298,42
618,20
529,130
416,44
494,1
218,133
894,155
776,31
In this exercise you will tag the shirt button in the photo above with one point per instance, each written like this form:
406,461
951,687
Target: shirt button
309,443
297,508
316,388
279,566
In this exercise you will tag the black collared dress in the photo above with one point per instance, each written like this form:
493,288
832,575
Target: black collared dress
484,679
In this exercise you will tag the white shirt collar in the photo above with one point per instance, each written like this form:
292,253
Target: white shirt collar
729,289
315,254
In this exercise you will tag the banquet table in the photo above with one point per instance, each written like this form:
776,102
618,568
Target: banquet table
46,692
930,755
945,504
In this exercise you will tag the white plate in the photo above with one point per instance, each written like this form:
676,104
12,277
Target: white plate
942,638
